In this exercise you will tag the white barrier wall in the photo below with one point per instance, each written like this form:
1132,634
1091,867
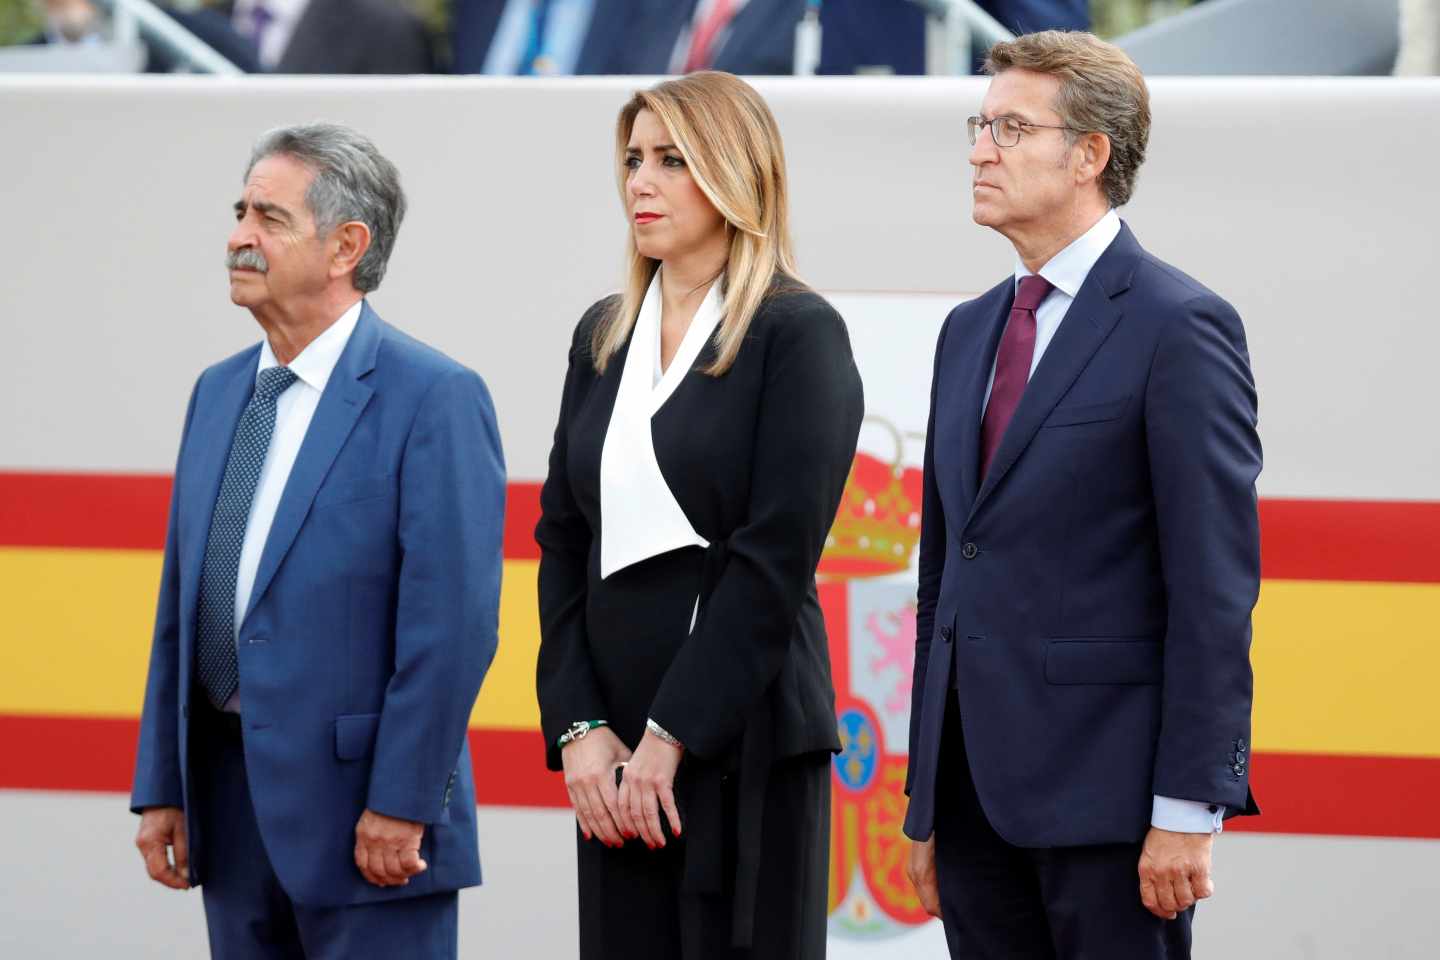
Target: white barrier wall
1311,204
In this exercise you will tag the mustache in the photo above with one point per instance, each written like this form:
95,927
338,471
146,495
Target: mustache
246,258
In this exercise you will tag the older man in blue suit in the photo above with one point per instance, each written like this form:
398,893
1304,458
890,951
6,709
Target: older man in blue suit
1089,552
329,597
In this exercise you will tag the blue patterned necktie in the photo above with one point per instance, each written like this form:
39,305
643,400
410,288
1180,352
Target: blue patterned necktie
216,664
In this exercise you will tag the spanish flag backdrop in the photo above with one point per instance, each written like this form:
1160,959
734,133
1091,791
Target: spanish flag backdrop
1346,653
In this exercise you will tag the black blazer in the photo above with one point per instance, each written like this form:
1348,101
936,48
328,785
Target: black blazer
757,459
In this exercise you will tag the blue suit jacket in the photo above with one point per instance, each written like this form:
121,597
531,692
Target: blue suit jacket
371,624
1093,593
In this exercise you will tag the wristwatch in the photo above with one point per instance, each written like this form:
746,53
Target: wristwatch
578,730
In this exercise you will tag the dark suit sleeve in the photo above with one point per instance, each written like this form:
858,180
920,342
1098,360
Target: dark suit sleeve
452,507
564,677
158,769
932,561
808,422
1200,416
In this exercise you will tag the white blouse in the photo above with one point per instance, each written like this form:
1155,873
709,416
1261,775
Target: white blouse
639,516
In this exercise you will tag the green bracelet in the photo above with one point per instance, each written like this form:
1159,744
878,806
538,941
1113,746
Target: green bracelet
578,730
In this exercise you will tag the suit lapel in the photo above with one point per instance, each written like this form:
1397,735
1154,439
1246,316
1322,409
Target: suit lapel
341,404
1086,325
979,357
213,432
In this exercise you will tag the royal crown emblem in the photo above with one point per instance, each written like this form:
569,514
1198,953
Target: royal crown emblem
878,524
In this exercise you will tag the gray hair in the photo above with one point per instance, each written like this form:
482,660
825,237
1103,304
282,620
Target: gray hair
352,181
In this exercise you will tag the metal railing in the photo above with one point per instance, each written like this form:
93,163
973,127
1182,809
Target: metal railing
951,27
133,20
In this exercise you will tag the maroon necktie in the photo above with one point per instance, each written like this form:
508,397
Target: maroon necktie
1012,366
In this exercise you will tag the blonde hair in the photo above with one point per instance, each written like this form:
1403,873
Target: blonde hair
1101,91
731,146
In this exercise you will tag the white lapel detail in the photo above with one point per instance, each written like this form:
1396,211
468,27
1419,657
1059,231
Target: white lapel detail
639,516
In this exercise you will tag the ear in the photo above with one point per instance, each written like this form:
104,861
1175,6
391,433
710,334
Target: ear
347,245
1094,151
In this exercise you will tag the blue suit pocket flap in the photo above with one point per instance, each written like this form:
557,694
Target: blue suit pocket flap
1089,660
1077,413
352,489
355,735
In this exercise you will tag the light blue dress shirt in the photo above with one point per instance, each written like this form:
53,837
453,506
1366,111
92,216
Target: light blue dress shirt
565,29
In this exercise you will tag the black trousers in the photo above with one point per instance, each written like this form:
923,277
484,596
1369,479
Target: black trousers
632,905
1002,902
248,914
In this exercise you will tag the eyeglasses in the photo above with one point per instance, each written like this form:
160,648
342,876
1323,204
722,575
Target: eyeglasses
1005,131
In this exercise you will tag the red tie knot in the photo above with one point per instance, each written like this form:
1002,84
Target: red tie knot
1033,291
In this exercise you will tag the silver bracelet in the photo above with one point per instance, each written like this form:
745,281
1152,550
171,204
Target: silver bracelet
662,733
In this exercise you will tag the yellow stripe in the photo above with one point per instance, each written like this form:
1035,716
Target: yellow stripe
1347,668
75,637
1339,667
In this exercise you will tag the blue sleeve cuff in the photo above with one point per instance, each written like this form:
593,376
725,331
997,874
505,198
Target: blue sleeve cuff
1187,816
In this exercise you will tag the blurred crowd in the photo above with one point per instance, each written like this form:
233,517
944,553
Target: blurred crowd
554,37
572,37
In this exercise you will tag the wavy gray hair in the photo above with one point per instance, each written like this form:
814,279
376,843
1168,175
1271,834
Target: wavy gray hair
352,181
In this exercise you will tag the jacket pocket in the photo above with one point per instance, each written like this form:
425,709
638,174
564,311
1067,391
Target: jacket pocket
1074,414
1134,660
353,489
355,735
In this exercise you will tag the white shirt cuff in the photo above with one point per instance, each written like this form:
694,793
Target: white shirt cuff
1187,816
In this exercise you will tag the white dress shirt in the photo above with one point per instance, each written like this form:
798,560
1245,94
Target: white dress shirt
294,410
284,17
1066,272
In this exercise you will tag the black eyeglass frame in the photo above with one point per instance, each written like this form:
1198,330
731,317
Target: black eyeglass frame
973,126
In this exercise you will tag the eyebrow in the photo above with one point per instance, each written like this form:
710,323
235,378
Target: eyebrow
269,209
658,148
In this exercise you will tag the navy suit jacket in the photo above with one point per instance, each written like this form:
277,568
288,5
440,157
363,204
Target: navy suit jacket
371,624
639,37
867,33
1093,593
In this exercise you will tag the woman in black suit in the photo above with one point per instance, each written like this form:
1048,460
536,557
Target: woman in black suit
706,429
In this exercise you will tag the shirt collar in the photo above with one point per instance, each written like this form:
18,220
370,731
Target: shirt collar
1068,269
317,361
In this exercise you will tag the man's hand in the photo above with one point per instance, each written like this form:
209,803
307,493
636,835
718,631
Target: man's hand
590,763
921,870
649,786
1175,871
161,830
387,850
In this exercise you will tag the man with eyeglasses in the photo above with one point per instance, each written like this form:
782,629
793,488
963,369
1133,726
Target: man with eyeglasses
1089,554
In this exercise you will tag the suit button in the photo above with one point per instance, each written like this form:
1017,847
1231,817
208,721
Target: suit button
969,550
1239,769
1239,746
945,634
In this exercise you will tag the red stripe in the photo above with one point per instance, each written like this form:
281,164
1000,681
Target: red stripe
1299,793
522,512
91,510
1382,541
97,754
1344,795
128,512
1391,540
